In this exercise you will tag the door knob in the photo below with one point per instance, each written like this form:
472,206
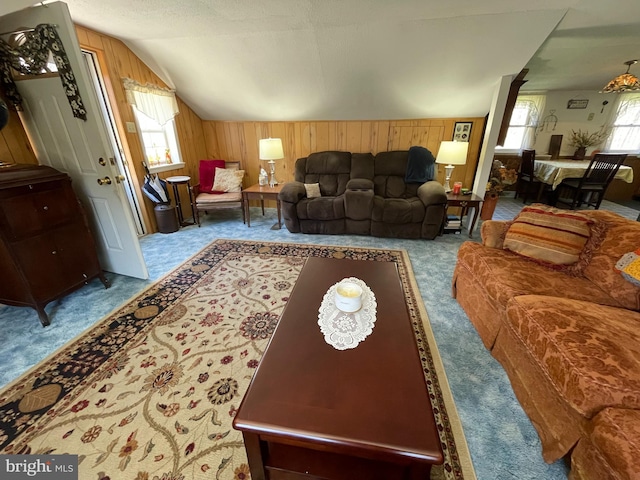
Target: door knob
120,178
104,181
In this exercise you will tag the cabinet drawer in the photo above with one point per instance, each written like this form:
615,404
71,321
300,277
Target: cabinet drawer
26,215
54,262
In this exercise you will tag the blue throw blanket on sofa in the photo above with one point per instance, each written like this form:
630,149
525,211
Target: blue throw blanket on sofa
420,166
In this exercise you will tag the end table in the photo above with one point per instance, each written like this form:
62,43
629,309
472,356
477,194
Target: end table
262,193
466,202
175,182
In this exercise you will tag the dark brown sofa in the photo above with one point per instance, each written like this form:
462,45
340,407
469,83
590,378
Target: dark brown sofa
568,342
362,194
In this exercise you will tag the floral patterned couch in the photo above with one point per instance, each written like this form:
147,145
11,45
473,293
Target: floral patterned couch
569,342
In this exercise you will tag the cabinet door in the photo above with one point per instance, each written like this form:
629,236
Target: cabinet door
38,257
77,254
56,261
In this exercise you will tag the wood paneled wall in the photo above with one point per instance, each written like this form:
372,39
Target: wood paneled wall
238,141
118,62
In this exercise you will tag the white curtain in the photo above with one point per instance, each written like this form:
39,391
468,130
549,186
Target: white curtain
155,102
535,106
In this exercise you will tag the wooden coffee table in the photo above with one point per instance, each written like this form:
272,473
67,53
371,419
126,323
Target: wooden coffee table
312,411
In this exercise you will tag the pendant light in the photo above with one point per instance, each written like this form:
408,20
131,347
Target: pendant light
623,83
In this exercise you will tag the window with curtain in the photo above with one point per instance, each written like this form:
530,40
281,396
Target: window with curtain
155,109
625,128
524,122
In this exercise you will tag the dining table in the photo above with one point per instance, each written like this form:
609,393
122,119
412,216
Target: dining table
553,172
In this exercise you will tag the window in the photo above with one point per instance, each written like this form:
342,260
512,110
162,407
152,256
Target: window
523,123
625,130
18,40
159,141
155,109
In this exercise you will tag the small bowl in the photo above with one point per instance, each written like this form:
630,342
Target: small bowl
348,296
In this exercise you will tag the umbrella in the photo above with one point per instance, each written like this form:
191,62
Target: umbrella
155,188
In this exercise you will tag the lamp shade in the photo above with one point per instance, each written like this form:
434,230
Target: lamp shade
623,83
271,149
453,153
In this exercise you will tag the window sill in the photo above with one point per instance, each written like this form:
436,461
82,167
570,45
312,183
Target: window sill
508,151
166,168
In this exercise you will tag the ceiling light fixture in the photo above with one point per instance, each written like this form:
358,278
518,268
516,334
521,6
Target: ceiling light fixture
624,82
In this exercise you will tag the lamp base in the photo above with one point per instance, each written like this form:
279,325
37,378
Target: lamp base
448,170
272,177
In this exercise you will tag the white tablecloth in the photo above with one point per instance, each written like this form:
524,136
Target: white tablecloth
553,172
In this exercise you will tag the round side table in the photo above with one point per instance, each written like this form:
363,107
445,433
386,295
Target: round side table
175,182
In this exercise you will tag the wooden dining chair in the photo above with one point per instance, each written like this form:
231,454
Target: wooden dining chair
527,182
590,189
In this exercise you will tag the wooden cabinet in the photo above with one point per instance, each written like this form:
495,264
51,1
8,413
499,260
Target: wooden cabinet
46,247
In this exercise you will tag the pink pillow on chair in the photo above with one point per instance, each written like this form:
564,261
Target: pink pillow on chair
207,173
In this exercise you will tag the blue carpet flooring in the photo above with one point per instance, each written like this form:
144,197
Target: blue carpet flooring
502,441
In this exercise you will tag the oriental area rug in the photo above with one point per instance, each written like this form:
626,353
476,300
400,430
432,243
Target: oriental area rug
149,392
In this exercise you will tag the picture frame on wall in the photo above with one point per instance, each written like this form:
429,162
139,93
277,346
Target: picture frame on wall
462,131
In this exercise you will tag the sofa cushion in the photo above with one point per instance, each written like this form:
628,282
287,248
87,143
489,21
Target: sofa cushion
590,353
504,275
622,237
389,172
397,210
332,170
321,208
559,239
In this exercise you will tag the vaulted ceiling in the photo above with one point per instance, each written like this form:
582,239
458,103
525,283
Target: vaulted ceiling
364,59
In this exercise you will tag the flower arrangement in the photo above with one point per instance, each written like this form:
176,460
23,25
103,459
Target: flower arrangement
585,139
495,185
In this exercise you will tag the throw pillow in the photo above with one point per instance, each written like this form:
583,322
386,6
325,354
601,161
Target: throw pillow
313,190
559,239
206,173
629,267
227,180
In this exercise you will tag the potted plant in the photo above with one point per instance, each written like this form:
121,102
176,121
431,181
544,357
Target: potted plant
582,140
495,186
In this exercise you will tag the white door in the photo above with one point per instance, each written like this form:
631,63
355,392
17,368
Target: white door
79,148
114,139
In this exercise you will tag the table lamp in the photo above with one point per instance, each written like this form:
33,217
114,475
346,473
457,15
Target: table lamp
271,149
450,154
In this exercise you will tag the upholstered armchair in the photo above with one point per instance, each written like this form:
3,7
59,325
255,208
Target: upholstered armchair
213,191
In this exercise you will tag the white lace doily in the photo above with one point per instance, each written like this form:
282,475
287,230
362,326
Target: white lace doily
344,330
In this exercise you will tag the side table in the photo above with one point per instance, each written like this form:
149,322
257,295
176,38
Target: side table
262,193
175,183
466,202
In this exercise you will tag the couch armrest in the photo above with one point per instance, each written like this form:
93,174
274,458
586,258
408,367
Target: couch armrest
292,192
431,193
493,232
195,190
360,184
